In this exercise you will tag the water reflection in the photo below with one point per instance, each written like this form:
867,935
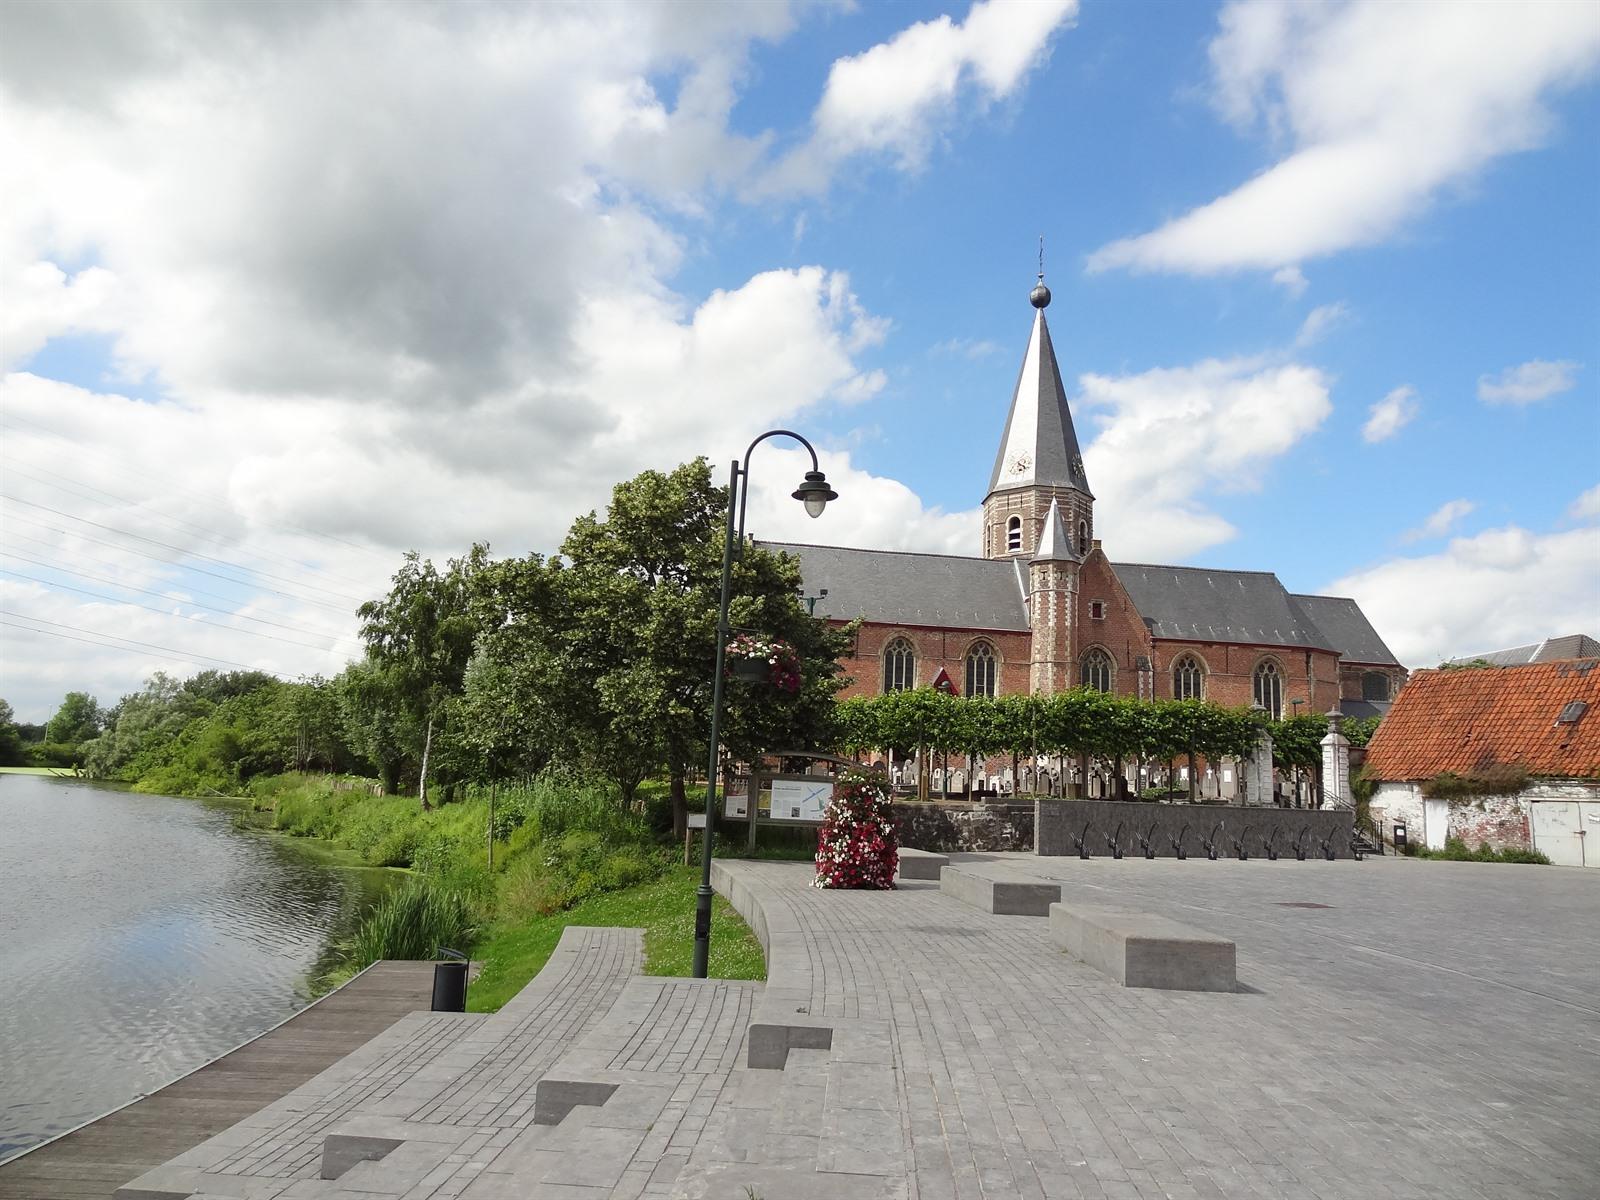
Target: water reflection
141,936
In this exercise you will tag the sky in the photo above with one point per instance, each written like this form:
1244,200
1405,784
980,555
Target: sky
288,290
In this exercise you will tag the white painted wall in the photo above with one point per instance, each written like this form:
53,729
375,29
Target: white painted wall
1563,815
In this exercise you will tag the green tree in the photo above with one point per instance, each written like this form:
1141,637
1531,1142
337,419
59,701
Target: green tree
635,606
419,640
11,752
77,720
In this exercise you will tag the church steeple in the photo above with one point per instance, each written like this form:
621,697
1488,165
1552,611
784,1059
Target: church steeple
1039,463
1039,445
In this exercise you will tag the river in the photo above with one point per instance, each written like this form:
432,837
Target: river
141,936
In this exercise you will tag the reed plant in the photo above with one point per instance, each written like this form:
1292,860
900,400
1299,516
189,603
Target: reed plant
413,922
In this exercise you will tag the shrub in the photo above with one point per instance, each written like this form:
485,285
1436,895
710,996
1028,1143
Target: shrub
413,922
1491,781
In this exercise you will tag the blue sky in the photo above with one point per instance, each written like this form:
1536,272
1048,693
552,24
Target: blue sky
299,294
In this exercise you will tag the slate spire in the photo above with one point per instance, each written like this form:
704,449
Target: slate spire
1054,544
1039,445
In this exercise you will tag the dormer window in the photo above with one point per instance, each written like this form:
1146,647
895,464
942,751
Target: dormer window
1013,535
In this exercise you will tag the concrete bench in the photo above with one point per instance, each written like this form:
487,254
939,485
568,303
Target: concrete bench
998,894
1144,950
921,864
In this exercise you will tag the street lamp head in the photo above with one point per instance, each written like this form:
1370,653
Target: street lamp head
815,493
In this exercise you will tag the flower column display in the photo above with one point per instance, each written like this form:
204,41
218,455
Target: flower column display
857,846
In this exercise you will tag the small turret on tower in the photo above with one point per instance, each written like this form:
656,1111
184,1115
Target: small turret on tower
1052,594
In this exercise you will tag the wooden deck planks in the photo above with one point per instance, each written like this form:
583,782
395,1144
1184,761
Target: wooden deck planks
92,1162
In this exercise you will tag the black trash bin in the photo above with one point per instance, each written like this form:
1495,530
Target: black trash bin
450,982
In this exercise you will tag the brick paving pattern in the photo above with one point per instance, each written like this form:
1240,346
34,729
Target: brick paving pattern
1405,1030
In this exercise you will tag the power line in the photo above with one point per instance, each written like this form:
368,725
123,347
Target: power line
159,611
128,587
167,651
179,549
119,468
245,583
52,547
74,487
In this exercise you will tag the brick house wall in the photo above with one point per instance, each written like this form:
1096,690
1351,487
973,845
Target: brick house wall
1120,632
935,648
1310,675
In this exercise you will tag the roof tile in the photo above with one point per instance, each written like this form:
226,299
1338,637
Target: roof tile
1467,721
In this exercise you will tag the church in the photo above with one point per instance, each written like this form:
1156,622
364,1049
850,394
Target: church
1043,608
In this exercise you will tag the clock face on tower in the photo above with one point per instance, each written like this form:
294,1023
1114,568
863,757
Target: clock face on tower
1019,464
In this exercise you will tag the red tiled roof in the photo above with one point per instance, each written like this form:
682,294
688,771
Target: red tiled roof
1466,721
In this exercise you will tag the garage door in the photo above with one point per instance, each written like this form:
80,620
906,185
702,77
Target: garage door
1562,827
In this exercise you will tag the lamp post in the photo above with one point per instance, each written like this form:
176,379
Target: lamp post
814,493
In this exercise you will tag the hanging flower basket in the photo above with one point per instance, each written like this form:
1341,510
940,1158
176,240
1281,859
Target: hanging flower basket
857,846
756,659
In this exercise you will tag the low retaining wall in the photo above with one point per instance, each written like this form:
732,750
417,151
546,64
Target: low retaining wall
1058,822
949,826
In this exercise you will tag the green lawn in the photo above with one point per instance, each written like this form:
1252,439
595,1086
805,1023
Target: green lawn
63,772
513,953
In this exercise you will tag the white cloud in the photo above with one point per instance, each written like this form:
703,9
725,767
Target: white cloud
1320,321
1441,521
894,98
1382,105
1291,280
1502,587
972,348
1528,383
1391,414
1587,506
411,296
1168,436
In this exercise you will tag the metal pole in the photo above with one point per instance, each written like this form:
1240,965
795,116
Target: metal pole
702,907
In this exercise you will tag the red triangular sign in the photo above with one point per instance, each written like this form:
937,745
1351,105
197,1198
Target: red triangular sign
943,683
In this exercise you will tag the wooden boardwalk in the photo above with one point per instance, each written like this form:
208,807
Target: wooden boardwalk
102,1156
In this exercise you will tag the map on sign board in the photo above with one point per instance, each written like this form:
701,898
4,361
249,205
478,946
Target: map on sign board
799,799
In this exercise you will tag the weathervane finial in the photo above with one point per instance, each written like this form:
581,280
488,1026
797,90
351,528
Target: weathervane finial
1040,296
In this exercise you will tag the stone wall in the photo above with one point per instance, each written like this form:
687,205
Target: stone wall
954,826
1058,822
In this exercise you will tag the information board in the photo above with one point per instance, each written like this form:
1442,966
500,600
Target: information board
795,799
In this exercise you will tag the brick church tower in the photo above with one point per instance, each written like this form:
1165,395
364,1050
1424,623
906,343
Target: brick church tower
1039,509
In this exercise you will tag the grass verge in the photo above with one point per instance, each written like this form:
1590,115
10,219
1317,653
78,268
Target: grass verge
513,952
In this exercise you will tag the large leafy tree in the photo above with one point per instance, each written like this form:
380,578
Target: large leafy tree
612,644
77,720
419,640
11,752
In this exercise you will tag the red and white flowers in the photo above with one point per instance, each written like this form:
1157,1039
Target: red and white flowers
857,846
781,660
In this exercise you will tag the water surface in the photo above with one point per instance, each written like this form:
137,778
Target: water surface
141,936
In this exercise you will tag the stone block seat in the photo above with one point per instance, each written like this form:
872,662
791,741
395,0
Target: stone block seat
1142,950
921,864
995,891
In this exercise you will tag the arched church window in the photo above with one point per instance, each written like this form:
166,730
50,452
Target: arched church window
1097,670
980,669
1013,535
1083,537
1375,686
1188,678
899,666
1269,688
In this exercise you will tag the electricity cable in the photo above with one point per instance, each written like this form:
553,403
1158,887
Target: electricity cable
161,611
128,587
116,467
245,583
88,492
167,651
179,549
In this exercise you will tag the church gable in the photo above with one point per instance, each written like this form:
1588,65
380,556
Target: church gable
1109,621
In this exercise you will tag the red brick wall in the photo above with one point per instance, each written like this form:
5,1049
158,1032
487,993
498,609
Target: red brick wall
1121,632
935,648
1230,673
